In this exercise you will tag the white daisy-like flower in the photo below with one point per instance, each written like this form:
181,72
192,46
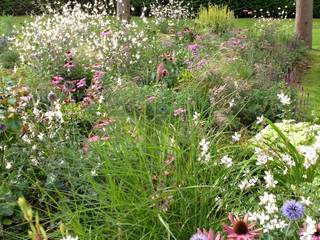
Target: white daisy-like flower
284,99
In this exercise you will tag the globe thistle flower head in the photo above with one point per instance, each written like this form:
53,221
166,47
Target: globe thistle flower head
292,210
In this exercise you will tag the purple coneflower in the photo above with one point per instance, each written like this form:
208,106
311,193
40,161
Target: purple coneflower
56,80
81,83
161,71
70,54
292,210
179,111
69,64
69,86
106,33
204,235
241,229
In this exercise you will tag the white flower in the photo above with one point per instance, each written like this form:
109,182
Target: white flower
8,165
310,155
270,182
195,118
262,158
204,154
288,160
284,99
232,103
309,229
70,238
306,201
226,160
260,119
236,137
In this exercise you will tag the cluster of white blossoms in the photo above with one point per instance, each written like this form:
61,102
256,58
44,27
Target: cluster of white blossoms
174,9
262,157
205,156
268,217
304,136
87,30
246,184
270,181
227,161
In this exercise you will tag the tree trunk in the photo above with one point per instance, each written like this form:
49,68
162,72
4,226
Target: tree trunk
304,16
123,10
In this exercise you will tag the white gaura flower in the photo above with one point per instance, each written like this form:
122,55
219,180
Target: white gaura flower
226,160
195,118
69,237
232,103
260,119
8,165
284,99
236,137
204,154
310,155
306,201
262,158
270,182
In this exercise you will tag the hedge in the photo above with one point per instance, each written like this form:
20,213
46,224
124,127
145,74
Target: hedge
22,7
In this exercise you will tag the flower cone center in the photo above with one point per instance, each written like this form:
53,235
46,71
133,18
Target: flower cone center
241,228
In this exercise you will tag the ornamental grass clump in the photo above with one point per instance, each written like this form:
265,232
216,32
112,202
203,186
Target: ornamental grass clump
219,18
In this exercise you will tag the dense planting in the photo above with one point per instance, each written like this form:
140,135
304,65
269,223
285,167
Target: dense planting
159,129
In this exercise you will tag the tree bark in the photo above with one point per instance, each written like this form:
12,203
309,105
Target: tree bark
123,10
304,16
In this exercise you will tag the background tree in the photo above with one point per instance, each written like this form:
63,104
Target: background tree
123,10
304,16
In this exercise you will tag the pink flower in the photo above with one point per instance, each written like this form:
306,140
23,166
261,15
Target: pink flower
106,33
94,138
241,229
69,64
56,80
151,98
179,111
204,235
161,71
81,83
69,54
193,47
315,235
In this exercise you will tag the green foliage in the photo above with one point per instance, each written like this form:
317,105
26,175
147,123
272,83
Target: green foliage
219,18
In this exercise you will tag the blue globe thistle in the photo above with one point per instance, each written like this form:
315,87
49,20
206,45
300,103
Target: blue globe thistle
293,210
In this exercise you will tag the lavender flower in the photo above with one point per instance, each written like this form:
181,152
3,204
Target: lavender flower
293,210
3,128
